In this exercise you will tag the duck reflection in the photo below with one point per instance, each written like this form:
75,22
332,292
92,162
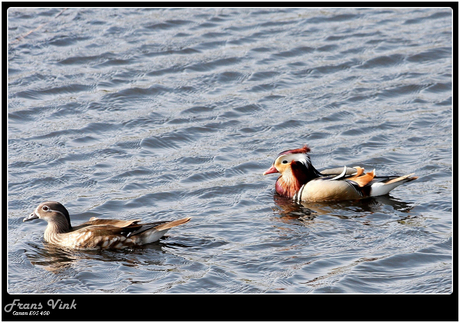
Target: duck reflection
308,211
51,257
57,259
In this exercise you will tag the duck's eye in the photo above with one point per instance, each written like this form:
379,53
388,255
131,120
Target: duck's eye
284,161
45,208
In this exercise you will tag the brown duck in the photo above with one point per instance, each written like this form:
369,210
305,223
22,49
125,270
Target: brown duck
98,233
302,182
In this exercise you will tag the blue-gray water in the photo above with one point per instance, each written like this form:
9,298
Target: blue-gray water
167,113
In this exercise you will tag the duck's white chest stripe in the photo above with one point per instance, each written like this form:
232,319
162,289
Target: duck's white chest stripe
298,195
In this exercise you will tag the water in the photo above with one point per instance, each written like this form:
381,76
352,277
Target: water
167,113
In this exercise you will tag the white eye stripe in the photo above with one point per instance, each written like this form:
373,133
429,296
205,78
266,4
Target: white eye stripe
303,158
46,208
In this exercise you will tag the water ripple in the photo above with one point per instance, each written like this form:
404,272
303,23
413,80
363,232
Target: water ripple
165,113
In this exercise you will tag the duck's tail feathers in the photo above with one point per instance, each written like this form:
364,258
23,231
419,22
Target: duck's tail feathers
382,188
171,224
154,232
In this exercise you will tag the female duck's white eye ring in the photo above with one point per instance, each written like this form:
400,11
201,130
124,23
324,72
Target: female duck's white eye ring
45,208
284,161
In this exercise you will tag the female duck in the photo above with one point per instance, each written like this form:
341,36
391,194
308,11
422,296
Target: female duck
302,182
98,233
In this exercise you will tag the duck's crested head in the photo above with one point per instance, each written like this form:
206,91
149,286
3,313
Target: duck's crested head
50,211
295,170
304,150
289,158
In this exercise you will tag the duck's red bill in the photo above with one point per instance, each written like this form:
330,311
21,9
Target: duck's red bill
271,170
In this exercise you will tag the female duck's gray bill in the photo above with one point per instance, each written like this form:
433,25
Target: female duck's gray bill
31,216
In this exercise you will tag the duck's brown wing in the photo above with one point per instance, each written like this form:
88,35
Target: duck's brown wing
158,226
109,227
111,222
116,234
127,228
103,234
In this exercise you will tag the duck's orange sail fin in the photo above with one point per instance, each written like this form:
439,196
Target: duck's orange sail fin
359,172
363,179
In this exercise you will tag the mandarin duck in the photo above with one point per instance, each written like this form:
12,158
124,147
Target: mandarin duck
97,233
301,181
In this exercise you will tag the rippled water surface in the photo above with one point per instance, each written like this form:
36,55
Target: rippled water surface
166,113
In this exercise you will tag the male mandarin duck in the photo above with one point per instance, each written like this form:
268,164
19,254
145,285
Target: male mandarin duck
302,182
98,233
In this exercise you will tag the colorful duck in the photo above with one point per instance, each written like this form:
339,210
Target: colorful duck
301,181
